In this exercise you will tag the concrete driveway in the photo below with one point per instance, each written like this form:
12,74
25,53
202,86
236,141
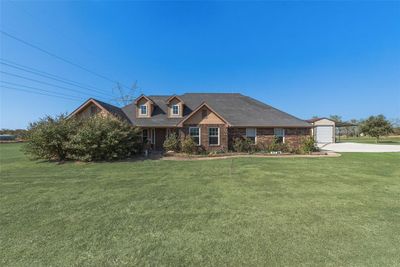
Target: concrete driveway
357,147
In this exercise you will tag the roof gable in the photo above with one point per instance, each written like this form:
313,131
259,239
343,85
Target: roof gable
143,96
199,109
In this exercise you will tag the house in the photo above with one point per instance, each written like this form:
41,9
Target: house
213,120
324,130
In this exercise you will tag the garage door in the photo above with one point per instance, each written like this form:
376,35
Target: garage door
324,134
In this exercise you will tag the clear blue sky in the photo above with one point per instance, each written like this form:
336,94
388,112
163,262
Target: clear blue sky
306,58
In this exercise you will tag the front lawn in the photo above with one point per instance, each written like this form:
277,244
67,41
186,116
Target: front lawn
389,140
245,211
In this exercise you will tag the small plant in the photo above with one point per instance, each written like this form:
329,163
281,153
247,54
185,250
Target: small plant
189,146
172,143
242,145
276,146
308,145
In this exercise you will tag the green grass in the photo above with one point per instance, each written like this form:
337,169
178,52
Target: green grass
389,140
246,211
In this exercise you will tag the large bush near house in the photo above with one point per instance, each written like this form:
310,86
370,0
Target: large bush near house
172,143
104,138
92,139
189,146
49,137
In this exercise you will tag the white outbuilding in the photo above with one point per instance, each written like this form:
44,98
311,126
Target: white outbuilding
324,130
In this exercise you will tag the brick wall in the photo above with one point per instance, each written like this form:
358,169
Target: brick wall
223,141
293,136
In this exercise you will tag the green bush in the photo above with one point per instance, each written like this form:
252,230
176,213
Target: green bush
276,146
189,146
243,145
172,143
49,137
104,138
95,138
308,145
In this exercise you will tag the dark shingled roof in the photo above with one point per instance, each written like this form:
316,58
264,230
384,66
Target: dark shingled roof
116,111
237,109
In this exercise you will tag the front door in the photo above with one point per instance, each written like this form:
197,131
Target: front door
160,138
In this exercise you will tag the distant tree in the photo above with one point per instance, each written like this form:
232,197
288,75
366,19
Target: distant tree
396,126
315,117
376,126
336,118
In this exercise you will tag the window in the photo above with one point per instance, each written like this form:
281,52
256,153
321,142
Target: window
175,110
251,134
145,135
213,136
279,135
194,132
143,109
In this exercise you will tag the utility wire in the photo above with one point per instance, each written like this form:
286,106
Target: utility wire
58,57
40,89
56,79
38,93
46,73
45,83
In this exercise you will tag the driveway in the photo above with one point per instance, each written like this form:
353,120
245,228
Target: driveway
357,147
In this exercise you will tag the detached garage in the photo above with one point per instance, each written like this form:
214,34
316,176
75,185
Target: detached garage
324,130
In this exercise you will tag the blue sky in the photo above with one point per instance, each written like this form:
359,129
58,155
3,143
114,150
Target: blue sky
306,58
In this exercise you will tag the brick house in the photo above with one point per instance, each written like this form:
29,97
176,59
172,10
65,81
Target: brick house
213,120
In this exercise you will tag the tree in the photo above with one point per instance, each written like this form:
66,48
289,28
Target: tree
336,118
376,126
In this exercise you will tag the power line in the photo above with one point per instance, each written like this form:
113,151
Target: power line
40,89
46,73
48,76
58,57
45,83
38,93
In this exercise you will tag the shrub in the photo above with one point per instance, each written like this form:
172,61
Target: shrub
95,138
189,146
308,145
49,137
275,145
242,145
172,143
104,138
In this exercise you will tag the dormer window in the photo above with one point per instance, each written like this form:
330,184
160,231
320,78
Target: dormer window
143,110
175,110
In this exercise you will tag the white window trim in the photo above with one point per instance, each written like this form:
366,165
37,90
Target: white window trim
140,110
219,136
255,132
199,134
179,110
283,133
